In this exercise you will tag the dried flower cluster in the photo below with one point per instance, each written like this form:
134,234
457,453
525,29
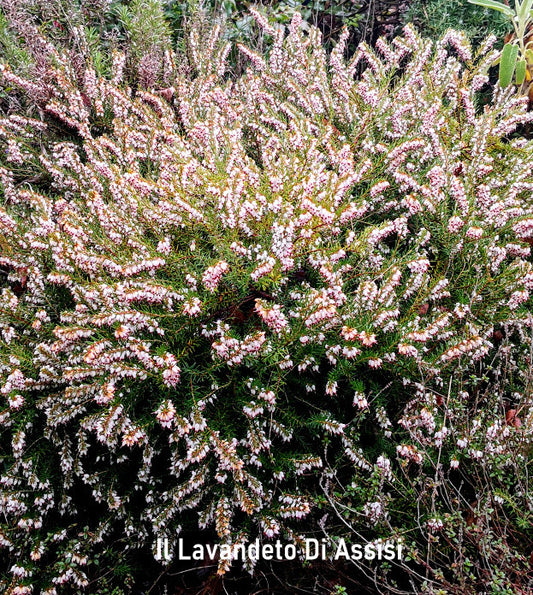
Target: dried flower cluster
212,272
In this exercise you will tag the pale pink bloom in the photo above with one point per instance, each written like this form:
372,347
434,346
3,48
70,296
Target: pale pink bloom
454,224
407,350
367,339
359,399
192,306
350,334
474,233
373,510
165,414
435,524
106,394
268,396
409,452
171,376
331,388
15,401
272,315
164,246
517,298
213,274
122,332
133,436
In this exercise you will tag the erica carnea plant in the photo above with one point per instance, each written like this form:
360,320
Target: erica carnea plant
88,31
241,305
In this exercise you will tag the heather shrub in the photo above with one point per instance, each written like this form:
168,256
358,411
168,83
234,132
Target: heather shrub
90,32
288,303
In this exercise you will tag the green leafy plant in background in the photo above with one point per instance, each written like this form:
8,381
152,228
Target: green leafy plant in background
516,61
434,17
145,24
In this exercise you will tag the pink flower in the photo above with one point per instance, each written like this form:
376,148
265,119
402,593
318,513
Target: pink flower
474,233
272,315
331,388
133,436
213,274
15,401
192,306
106,394
454,224
122,332
166,413
359,399
407,350
171,376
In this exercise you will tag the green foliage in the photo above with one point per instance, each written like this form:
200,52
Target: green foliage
508,64
145,26
434,17
521,70
11,48
494,5
520,18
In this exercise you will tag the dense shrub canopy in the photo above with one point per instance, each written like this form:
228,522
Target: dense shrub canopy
239,303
